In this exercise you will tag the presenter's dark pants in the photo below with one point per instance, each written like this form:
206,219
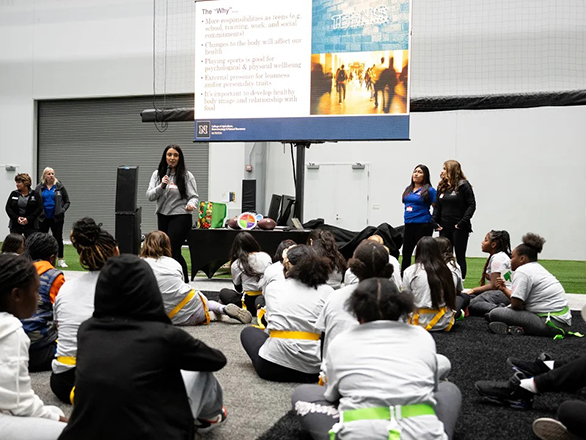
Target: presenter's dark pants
252,340
177,227
411,235
56,227
459,239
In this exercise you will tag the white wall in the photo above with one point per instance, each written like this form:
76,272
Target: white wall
526,165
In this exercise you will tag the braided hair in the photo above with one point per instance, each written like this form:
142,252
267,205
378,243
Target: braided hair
93,244
503,244
16,271
41,246
378,299
370,259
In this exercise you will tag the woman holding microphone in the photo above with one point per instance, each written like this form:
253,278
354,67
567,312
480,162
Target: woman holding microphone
175,191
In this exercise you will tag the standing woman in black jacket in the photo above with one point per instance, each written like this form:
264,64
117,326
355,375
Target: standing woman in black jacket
55,203
24,207
455,207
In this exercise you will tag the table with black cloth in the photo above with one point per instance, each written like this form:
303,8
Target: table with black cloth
210,248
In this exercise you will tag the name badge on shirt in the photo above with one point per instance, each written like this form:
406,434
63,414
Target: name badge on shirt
409,208
173,186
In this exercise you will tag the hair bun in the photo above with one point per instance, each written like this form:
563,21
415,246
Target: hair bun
534,241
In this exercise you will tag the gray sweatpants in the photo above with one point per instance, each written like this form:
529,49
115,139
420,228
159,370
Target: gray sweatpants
531,323
30,428
318,415
204,392
486,301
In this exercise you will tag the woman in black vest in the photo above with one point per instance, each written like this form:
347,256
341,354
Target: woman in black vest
24,207
454,208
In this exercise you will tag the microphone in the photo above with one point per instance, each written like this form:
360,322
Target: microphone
168,172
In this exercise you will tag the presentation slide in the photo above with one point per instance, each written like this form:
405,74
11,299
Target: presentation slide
318,70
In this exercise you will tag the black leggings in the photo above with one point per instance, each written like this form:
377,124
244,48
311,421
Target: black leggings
56,227
62,384
459,239
411,235
40,359
177,227
230,296
566,375
252,339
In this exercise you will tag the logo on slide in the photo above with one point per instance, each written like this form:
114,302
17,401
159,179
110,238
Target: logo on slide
202,129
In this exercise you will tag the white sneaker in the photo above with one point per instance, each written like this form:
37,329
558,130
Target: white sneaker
62,263
551,429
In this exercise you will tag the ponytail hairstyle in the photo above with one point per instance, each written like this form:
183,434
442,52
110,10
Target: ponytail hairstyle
156,245
243,245
325,245
370,259
531,246
93,244
41,246
452,177
439,275
503,244
16,271
425,186
377,299
285,244
303,263
180,169
13,243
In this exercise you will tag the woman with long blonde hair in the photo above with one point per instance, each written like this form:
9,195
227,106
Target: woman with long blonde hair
454,208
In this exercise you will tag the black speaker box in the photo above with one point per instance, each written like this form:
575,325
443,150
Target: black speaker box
128,233
249,195
126,189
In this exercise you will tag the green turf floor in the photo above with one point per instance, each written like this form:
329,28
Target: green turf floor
572,274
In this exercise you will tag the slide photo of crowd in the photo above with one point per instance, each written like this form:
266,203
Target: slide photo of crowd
359,83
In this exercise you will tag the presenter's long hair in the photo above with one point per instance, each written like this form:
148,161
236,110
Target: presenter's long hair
180,170
425,186
452,177
439,275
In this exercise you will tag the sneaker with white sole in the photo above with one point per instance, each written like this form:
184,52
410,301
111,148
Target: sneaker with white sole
233,311
530,368
501,328
551,429
62,263
205,425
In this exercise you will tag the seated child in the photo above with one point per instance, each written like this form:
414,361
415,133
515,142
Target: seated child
382,376
462,299
488,296
13,243
289,350
539,305
248,264
183,305
130,382
432,285
351,278
22,414
41,329
75,302
325,245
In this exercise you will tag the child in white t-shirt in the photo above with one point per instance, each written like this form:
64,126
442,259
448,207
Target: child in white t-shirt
248,264
432,285
487,296
183,304
538,301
